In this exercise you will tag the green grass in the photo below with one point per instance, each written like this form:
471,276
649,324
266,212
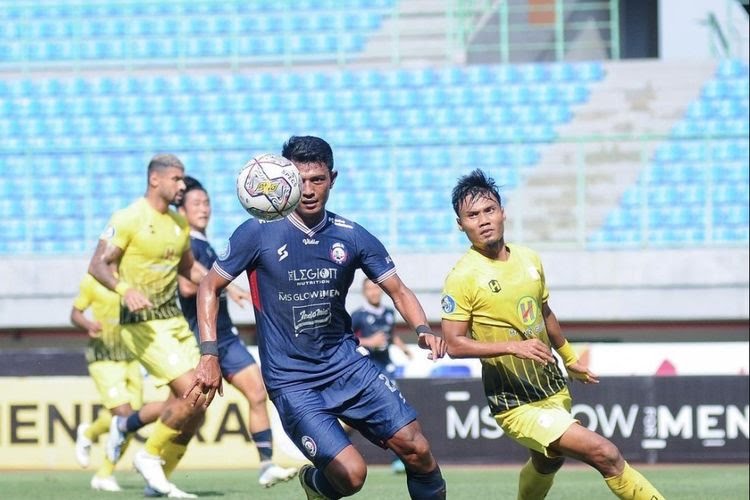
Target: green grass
694,482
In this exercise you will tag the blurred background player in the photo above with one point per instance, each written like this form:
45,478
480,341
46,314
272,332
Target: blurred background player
238,366
149,245
373,325
495,307
301,268
115,372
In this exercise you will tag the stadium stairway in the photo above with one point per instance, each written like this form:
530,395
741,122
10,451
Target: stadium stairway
545,207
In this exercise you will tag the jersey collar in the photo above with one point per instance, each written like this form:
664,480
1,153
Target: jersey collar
198,235
377,311
309,231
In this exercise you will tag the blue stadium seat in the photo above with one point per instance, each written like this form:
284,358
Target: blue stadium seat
450,371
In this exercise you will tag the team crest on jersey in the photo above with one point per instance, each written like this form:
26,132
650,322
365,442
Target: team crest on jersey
224,254
309,445
338,253
448,304
528,310
108,233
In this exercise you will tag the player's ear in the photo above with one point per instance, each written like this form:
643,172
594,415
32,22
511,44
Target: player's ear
460,227
334,174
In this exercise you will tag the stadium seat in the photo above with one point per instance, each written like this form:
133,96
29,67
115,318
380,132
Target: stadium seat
450,371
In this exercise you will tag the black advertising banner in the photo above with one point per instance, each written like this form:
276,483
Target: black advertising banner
651,419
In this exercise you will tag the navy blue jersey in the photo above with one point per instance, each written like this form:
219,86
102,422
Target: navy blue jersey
368,320
204,254
299,278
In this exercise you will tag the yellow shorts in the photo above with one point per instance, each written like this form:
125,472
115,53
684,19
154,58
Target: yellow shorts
536,425
165,347
118,383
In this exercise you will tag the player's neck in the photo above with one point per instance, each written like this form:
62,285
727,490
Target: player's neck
311,220
157,202
495,251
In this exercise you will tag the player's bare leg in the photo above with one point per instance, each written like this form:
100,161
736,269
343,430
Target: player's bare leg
596,450
342,477
177,413
423,476
250,383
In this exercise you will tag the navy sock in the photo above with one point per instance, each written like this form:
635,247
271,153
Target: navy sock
429,486
264,443
133,422
319,482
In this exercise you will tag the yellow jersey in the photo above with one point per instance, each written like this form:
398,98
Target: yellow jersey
502,301
105,309
152,244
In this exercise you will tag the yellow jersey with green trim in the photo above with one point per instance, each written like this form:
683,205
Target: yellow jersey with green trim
152,244
502,302
105,309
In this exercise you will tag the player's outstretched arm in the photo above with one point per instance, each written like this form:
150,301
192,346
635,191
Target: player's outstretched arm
411,310
460,345
575,368
207,378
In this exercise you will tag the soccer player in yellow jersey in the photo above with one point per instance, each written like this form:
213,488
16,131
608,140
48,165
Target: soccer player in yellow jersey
149,245
495,307
116,374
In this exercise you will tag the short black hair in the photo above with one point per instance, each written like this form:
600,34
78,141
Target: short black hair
162,161
191,184
308,149
474,185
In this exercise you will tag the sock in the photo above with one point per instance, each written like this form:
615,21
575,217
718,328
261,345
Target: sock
172,453
132,423
532,484
427,486
106,469
99,426
264,443
318,481
631,485
158,439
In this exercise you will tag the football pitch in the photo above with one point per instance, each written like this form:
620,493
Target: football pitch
693,482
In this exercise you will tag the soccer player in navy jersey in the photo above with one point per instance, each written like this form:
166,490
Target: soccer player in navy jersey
300,269
237,364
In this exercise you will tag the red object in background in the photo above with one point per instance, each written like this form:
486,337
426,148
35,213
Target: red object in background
666,369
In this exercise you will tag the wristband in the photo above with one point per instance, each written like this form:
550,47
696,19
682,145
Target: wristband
424,329
209,348
121,288
567,353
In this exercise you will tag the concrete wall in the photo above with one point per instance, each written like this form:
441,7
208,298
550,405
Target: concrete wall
700,284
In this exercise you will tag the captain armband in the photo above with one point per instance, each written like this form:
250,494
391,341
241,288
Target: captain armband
121,288
567,353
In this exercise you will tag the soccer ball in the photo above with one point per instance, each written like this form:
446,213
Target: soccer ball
269,187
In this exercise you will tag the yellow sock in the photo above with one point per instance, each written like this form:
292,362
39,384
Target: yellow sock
172,453
533,485
631,485
161,435
107,468
99,426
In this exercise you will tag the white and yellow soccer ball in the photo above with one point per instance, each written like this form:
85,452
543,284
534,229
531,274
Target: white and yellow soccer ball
269,187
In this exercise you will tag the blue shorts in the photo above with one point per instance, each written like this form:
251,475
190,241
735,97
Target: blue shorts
233,356
364,398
